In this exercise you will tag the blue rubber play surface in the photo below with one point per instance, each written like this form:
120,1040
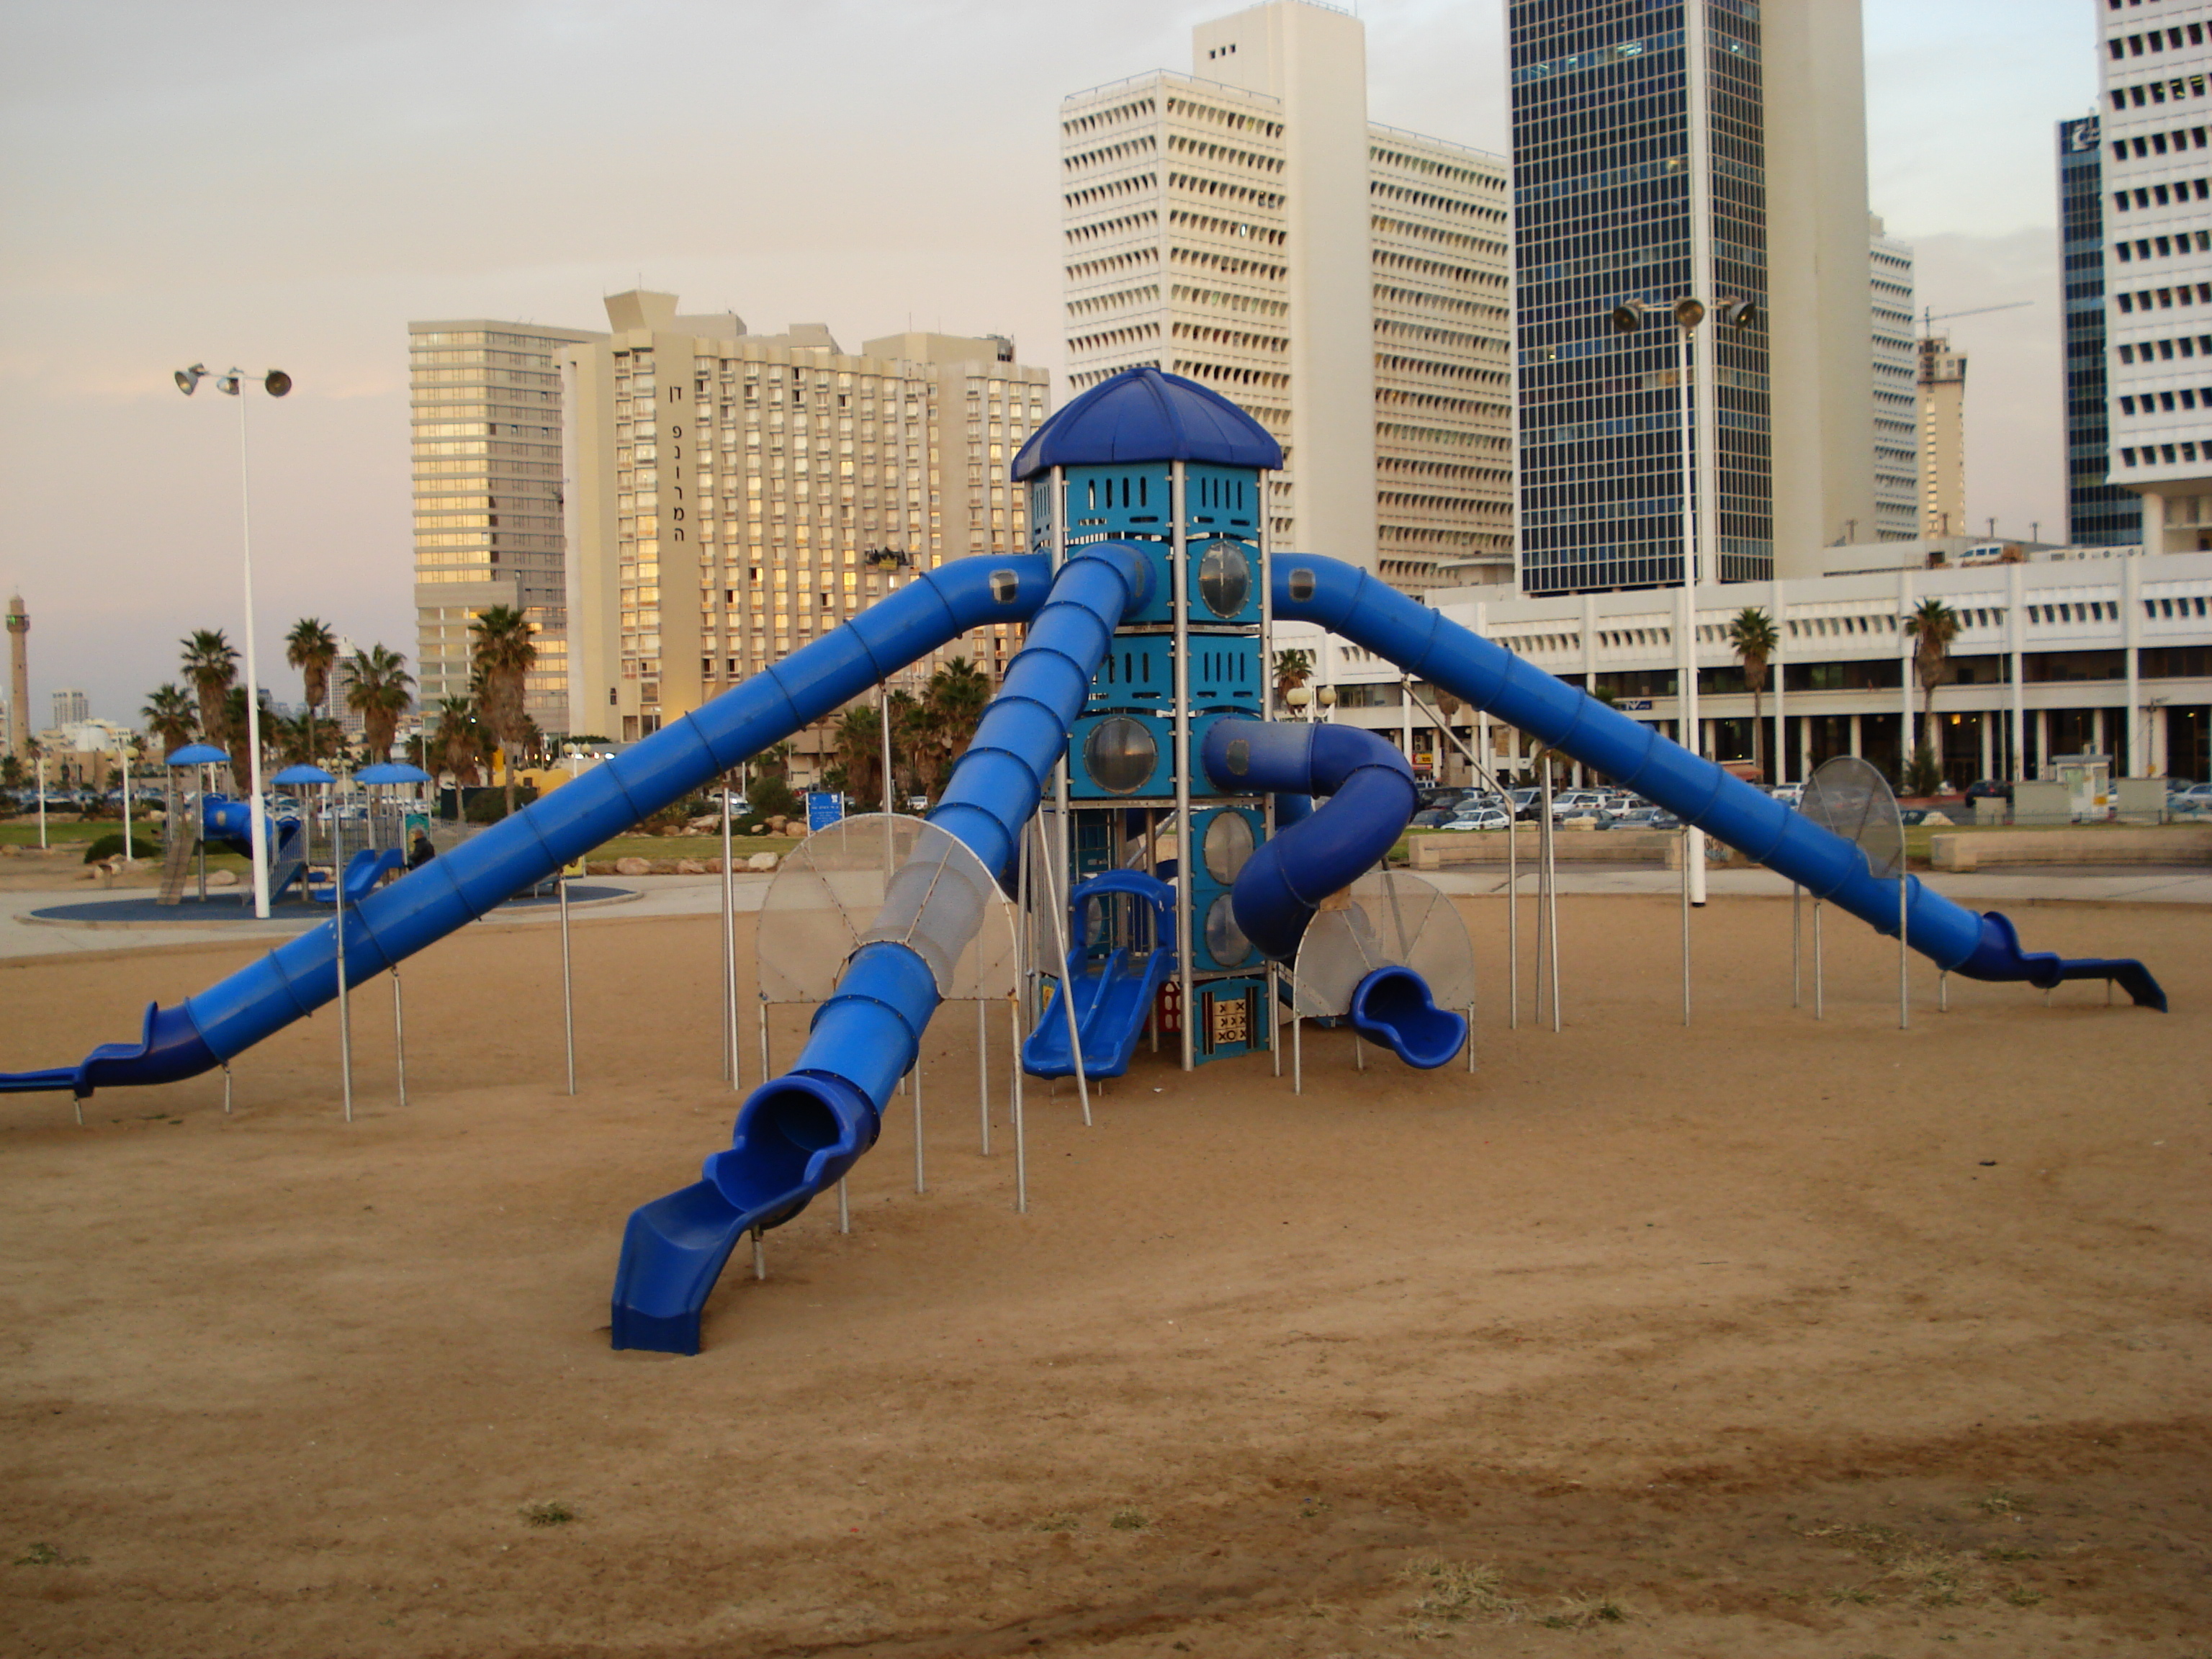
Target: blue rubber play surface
235,906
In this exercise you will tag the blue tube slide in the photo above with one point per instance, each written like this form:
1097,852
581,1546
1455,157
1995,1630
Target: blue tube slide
1424,642
797,1135
1372,798
424,906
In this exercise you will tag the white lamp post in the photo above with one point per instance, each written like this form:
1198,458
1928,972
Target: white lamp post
1689,312
277,383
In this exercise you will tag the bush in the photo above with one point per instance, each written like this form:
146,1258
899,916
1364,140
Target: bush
771,797
142,845
488,805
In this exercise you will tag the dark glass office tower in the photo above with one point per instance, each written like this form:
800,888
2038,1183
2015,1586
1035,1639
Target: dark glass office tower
1604,153
2098,514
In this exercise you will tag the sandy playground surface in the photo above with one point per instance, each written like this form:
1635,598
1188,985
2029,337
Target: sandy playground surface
1773,1338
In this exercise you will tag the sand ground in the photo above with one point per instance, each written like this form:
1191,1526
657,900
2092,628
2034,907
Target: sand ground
1767,1338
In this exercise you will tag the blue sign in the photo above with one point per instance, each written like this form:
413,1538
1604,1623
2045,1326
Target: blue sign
1632,705
822,810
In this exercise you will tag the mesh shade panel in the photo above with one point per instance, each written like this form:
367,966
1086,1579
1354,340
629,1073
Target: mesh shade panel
877,878
1386,919
1847,795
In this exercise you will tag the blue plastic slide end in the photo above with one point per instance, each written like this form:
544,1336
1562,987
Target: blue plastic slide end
1393,1006
672,1253
1998,956
169,1048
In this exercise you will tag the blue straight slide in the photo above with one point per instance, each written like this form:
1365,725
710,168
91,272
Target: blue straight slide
363,871
1371,799
798,1133
1432,646
1114,993
215,1026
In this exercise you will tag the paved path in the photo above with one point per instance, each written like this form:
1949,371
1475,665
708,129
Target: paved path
701,896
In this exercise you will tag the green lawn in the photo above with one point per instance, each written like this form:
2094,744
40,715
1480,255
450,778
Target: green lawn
701,847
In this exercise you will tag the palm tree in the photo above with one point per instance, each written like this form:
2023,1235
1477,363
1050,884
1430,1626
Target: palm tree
238,732
380,695
456,745
1754,639
211,669
1933,625
856,738
1292,670
313,649
952,704
171,716
502,654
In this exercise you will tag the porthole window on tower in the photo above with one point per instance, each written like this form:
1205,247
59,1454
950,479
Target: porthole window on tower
1228,844
1225,578
1225,940
1119,755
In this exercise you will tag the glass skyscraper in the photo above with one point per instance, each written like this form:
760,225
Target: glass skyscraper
1639,173
2098,514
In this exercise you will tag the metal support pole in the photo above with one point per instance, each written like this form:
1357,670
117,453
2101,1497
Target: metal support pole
918,1185
1943,991
1470,1038
345,1002
729,950
1903,952
1820,985
399,1035
568,983
257,810
1067,998
1796,960
226,1090
1021,1138
1274,1027
983,1067
1359,1053
1687,850
1551,920
759,1256
767,1071
1298,1053
1186,853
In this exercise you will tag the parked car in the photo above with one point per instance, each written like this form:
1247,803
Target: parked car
1790,794
1990,789
1636,817
1430,817
1449,796
1483,818
2197,798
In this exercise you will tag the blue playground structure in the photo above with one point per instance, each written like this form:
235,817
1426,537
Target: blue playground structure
1194,856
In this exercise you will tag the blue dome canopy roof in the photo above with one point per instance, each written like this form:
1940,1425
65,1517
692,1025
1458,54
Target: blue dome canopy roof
1142,415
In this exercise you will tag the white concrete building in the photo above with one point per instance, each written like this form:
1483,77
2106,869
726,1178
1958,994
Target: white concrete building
1346,283
2065,651
2158,272
72,707
724,489
1942,437
1896,390
486,411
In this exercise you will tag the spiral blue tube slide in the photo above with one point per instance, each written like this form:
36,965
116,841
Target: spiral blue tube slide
797,1135
394,922
1425,642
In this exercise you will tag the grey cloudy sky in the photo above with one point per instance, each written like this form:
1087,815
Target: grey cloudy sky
290,183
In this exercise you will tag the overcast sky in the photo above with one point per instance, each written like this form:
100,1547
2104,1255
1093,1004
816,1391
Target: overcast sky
289,184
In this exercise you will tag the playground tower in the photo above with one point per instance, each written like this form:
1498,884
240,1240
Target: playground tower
1173,468
19,679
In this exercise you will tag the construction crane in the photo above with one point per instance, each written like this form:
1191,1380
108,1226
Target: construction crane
1929,319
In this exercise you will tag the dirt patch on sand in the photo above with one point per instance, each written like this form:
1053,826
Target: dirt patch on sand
1767,1338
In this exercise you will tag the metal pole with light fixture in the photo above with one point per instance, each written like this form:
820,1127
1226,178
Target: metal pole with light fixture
276,383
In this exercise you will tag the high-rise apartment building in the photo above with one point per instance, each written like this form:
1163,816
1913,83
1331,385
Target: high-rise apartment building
1345,283
1711,149
2158,238
1942,437
72,707
726,490
2098,512
1896,393
486,401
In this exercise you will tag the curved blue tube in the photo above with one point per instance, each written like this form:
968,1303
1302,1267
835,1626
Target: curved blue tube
797,1133
394,922
1318,852
1350,602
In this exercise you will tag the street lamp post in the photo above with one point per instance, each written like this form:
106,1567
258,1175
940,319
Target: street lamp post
890,561
276,382
1688,312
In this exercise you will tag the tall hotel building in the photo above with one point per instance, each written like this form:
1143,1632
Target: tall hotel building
1896,393
1345,283
486,411
726,488
2158,232
1708,148
2098,512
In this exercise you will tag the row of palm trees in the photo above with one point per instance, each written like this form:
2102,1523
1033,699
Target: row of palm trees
929,733
1754,639
378,689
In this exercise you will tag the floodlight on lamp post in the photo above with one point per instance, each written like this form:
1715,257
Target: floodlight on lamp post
1689,313
276,383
